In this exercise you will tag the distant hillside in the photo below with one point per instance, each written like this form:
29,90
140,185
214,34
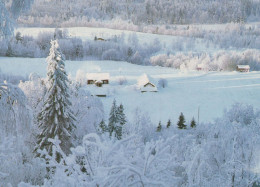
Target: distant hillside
140,12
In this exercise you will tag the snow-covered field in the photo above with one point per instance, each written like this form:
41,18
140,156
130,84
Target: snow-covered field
88,33
186,91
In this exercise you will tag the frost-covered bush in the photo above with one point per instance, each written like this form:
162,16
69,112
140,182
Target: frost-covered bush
111,54
221,153
104,162
88,111
81,78
162,83
226,61
16,142
34,89
228,156
15,115
18,164
121,80
241,113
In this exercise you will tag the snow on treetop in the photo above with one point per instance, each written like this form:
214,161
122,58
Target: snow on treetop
55,43
98,76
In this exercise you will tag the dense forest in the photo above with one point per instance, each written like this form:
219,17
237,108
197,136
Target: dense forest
140,12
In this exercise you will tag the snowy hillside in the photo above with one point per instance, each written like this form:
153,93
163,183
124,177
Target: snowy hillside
166,41
186,91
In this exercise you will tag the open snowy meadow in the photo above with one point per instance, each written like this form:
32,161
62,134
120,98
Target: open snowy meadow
186,91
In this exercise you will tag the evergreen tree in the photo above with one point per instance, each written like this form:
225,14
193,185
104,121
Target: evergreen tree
116,120
193,123
18,37
102,127
56,118
159,127
121,115
9,51
121,121
181,122
113,118
169,123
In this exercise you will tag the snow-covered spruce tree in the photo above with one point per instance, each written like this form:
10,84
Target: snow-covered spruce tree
102,127
121,121
112,118
169,123
121,115
181,122
114,126
159,127
56,117
193,123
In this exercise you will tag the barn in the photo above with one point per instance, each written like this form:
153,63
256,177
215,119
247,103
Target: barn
200,67
145,84
243,68
98,78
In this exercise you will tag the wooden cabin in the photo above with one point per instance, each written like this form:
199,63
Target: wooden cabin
149,87
99,39
200,67
243,68
98,78
145,84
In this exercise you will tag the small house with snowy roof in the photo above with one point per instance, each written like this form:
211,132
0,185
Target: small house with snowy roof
98,78
200,67
145,84
243,68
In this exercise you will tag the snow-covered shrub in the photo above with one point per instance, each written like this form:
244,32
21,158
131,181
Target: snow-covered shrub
111,54
18,164
16,142
34,89
121,80
43,41
227,60
81,77
103,162
228,153
72,48
221,153
88,111
241,113
15,115
162,83
142,126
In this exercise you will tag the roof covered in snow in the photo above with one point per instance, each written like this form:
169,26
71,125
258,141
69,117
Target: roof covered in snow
149,87
243,66
143,80
98,76
145,84
200,66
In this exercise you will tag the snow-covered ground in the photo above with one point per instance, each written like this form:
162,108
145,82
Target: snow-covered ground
186,91
88,33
